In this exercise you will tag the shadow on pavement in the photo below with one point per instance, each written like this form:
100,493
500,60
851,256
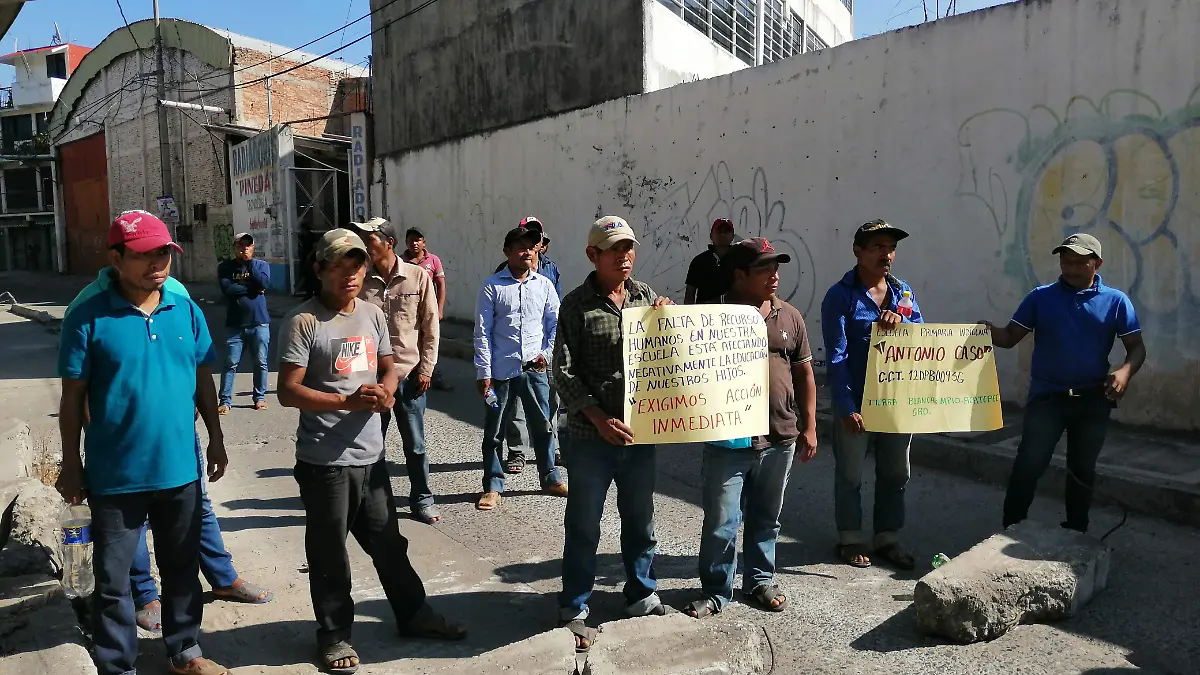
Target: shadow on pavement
293,642
898,633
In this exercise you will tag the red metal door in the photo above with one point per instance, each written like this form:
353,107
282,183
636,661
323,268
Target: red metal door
84,171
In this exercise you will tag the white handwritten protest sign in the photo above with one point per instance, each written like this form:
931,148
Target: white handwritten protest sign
696,373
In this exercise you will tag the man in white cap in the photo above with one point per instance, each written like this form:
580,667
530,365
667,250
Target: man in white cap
589,373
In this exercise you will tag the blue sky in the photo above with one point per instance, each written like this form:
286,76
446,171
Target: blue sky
87,22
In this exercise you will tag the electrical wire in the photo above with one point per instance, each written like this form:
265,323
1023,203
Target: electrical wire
122,10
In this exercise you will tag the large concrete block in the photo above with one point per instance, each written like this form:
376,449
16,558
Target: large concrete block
677,645
35,517
43,638
549,653
1030,573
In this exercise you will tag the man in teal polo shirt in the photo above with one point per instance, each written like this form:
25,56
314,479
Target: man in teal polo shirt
140,357
1074,322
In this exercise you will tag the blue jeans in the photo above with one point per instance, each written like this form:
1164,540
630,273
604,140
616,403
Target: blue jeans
892,471
741,484
1085,421
533,389
117,520
260,337
595,465
410,420
215,562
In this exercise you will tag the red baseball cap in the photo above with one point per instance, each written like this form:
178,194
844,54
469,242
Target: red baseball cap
722,222
140,232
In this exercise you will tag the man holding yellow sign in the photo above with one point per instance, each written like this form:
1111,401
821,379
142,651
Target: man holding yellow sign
866,295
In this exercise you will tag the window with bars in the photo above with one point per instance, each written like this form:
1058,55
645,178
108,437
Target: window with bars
849,5
730,24
813,43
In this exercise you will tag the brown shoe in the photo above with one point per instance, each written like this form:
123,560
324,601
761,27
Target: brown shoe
260,405
558,489
223,410
488,501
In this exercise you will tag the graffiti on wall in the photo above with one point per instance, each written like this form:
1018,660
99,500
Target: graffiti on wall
223,241
678,226
1124,169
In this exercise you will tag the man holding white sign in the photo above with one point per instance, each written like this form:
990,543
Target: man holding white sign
746,478
589,374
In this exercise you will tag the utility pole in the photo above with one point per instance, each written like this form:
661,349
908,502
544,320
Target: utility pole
270,119
164,141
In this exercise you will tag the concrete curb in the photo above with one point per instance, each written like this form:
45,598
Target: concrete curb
1178,503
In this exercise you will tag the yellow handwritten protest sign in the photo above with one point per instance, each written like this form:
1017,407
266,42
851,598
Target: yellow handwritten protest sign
695,373
931,378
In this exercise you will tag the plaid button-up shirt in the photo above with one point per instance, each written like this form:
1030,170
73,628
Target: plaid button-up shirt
588,352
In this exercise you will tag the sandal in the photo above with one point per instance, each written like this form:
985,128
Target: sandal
853,555
201,667
704,607
244,592
149,617
897,556
427,514
585,636
430,625
765,596
514,464
340,651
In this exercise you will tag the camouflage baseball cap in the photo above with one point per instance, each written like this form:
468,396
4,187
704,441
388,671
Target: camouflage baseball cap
336,243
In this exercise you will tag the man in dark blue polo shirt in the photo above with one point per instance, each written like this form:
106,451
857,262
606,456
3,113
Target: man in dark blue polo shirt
140,356
866,295
1075,322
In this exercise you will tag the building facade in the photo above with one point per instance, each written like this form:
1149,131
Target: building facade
762,31
27,174
232,87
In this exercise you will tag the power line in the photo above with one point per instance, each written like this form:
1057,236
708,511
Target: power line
122,10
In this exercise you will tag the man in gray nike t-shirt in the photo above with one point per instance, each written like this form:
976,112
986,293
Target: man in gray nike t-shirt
341,353
336,367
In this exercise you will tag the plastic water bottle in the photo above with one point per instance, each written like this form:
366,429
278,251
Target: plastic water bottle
940,559
490,398
905,306
76,552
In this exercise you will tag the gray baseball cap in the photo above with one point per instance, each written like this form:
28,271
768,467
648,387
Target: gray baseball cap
381,225
1083,244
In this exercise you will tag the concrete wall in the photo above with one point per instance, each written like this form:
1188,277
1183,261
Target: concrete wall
1091,122
678,53
462,66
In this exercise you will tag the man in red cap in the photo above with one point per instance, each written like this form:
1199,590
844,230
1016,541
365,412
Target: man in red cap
140,356
707,281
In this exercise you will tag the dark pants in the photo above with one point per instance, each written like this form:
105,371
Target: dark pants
1085,420
117,521
215,562
533,389
410,420
341,500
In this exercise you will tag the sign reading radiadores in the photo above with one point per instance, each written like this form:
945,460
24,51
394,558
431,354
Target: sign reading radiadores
931,378
695,373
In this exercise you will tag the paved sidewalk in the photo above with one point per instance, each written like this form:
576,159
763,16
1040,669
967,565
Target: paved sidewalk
1148,472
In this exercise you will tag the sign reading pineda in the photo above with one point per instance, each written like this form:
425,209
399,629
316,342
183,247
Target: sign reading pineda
695,373
931,378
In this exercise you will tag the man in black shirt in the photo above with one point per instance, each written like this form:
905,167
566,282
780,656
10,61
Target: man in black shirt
706,280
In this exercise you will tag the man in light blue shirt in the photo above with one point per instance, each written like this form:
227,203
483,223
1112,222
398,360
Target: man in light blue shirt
515,321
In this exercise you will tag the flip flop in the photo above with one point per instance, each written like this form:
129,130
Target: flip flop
585,636
853,555
897,556
338,651
699,609
514,464
245,592
765,594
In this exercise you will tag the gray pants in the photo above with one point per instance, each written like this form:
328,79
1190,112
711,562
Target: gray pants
892,471
517,427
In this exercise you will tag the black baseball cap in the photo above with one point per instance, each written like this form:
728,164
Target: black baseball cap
753,252
522,234
874,227
413,233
